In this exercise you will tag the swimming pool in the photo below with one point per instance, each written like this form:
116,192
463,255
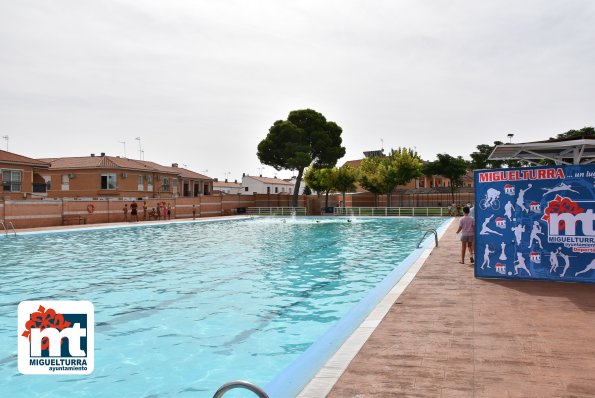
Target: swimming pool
182,308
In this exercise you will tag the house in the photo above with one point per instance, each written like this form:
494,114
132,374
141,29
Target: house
188,183
293,180
22,176
255,185
113,176
226,187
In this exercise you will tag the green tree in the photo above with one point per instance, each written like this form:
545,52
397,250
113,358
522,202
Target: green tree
312,178
307,190
344,179
449,167
479,158
400,167
370,177
321,180
305,138
585,132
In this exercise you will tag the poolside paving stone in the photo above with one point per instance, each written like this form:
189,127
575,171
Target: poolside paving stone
452,335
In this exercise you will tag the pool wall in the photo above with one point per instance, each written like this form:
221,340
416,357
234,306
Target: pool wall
296,376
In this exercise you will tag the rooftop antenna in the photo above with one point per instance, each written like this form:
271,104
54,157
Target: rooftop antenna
226,174
382,144
123,143
142,154
185,165
510,138
6,137
140,149
260,170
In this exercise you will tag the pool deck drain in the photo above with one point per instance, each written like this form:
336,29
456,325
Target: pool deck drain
452,335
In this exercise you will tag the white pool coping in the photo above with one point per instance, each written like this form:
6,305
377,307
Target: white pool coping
329,374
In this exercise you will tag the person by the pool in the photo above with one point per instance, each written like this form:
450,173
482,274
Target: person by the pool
133,211
467,227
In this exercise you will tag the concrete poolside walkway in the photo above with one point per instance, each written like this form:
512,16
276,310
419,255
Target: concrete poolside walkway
451,335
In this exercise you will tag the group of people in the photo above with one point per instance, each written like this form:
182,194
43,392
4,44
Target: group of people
162,211
467,230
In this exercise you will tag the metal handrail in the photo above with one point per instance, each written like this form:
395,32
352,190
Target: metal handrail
6,228
240,384
12,227
430,230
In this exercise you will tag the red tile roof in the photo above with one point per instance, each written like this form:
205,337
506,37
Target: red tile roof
226,184
101,162
353,163
184,173
9,157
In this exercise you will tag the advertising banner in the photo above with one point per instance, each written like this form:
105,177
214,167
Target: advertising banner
536,223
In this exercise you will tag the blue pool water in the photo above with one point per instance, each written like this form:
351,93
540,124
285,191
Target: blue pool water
182,308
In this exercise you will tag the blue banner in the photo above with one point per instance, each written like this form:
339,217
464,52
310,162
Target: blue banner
535,223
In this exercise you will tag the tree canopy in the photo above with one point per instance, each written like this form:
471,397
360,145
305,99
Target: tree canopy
305,138
585,132
344,179
399,168
370,177
449,167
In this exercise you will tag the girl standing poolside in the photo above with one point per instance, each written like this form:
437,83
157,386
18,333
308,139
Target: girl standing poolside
467,226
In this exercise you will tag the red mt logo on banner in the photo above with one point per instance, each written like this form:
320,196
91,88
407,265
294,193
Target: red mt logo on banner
563,214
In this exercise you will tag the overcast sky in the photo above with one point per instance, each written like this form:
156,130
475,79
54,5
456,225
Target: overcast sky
201,82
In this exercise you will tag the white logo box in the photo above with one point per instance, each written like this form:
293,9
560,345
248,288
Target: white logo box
80,363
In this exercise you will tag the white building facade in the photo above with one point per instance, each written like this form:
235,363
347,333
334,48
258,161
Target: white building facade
265,185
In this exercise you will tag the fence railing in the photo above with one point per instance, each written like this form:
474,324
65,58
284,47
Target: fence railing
392,211
276,211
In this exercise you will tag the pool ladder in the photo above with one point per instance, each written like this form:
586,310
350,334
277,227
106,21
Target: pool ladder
240,384
429,231
6,228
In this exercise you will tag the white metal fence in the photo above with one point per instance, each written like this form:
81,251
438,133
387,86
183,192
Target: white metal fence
276,211
392,211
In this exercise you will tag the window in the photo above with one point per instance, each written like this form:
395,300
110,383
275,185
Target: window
276,189
268,189
11,180
65,182
206,189
165,184
175,185
140,185
108,181
246,189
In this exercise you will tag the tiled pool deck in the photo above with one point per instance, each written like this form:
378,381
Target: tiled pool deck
451,335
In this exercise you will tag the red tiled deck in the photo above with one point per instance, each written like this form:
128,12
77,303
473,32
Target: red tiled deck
451,335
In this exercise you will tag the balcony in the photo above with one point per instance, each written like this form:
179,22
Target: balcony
8,186
40,187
